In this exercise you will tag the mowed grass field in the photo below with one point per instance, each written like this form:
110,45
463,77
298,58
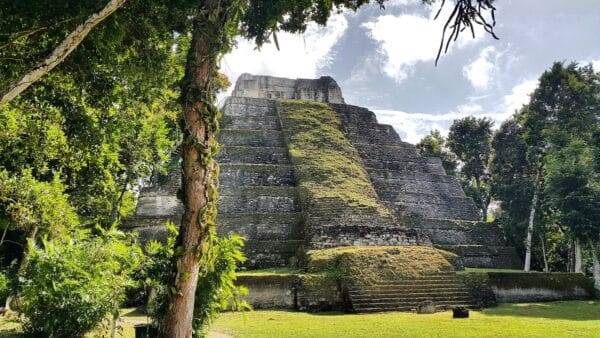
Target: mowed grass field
548,320
554,319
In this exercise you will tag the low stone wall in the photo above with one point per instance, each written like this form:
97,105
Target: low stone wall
310,292
271,291
491,288
536,287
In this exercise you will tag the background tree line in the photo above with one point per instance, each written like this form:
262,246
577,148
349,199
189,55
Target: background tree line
92,95
538,174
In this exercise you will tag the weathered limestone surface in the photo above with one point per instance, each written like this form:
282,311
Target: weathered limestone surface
421,194
260,198
324,89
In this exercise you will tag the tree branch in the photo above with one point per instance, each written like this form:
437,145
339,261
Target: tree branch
60,52
463,15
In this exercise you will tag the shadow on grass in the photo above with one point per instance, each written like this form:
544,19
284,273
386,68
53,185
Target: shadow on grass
570,310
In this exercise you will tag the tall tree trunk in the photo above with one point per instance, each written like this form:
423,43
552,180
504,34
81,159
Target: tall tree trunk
534,202
31,235
199,124
596,265
543,242
578,260
481,199
60,53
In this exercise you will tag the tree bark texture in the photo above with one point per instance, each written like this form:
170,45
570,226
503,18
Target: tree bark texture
60,53
543,243
199,125
578,258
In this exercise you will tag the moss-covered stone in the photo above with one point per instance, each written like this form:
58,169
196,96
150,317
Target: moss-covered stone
326,163
369,265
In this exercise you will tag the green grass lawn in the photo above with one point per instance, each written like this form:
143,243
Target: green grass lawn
556,319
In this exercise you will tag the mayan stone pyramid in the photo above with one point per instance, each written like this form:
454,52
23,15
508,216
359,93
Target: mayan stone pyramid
300,169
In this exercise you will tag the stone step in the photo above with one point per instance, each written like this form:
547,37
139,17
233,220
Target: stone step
262,254
245,106
393,305
251,138
389,174
355,115
356,302
455,232
456,287
386,152
427,165
234,175
258,199
433,295
443,189
262,226
376,134
485,256
430,206
150,205
253,155
250,122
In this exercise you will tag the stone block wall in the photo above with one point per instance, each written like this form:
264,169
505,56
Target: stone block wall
324,89
260,198
420,193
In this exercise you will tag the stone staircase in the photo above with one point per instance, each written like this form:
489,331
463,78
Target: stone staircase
258,197
409,184
420,193
444,289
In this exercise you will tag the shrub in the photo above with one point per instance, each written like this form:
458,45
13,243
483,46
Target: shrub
71,285
216,289
4,288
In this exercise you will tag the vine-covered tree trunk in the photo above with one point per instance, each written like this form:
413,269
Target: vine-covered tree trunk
199,125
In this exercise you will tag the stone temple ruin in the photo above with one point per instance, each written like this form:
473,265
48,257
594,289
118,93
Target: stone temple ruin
259,194
411,207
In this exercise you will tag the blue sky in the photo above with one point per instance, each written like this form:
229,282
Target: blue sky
384,59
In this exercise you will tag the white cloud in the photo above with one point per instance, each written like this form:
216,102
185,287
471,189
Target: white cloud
470,108
299,55
412,127
596,65
519,96
401,3
405,40
481,71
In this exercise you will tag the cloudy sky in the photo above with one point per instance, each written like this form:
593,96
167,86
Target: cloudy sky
384,59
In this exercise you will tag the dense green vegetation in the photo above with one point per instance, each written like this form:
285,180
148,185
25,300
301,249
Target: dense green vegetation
541,168
327,164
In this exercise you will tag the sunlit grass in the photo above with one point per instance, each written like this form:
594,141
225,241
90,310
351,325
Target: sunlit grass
554,319
557,319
